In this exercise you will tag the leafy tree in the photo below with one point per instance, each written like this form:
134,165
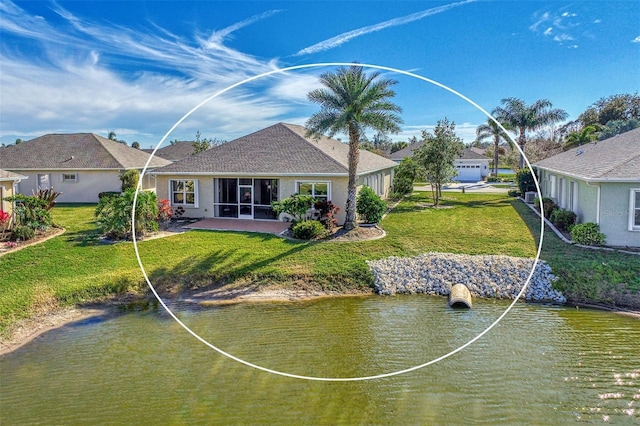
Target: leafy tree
397,146
201,145
584,136
490,129
112,136
351,102
617,127
130,179
135,145
516,115
19,141
437,156
612,108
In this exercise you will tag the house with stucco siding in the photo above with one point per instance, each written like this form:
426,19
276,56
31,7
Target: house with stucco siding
239,179
600,183
78,165
8,183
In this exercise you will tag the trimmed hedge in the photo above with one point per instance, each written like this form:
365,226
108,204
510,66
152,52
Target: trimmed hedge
563,219
308,229
588,234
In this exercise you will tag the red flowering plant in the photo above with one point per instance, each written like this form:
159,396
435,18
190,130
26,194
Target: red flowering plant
4,221
164,212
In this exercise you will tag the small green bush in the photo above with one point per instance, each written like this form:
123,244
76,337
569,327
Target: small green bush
130,179
22,233
296,206
587,233
513,193
563,219
113,214
491,179
369,206
308,229
549,206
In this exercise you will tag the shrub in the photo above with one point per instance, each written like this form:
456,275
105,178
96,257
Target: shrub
297,206
113,214
130,179
404,176
513,193
549,206
4,221
327,212
308,229
22,233
101,195
524,179
369,206
48,196
164,211
587,233
31,211
563,219
493,179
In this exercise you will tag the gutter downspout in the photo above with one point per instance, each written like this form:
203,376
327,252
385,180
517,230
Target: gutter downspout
597,201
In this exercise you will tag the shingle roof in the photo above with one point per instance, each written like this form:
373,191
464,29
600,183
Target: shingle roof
467,154
281,149
174,152
616,158
6,175
74,151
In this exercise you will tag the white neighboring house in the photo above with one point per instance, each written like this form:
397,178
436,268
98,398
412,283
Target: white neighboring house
599,182
79,165
240,179
471,166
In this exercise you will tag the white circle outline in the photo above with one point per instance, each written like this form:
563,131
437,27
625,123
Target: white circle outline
334,379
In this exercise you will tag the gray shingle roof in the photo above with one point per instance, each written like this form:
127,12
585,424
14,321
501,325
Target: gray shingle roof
174,152
6,175
616,158
467,154
74,151
281,149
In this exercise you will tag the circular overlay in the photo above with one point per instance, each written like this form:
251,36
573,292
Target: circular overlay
335,379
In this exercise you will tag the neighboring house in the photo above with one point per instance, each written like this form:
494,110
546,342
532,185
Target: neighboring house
79,165
8,182
240,179
471,166
174,152
599,182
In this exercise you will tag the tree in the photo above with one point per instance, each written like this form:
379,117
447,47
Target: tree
112,136
437,156
200,145
135,145
618,126
490,129
616,107
584,136
516,115
397,146
351,102
19,141
130,179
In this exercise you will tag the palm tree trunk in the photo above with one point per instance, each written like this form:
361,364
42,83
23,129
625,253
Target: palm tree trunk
496,141
354,153
522,140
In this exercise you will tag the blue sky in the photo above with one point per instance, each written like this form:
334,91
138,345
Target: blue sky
137,67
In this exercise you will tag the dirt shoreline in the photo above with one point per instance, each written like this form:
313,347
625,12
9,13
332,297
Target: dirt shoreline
27,330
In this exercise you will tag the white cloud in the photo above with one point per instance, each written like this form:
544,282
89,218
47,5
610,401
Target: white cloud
562,25
636,40
344,37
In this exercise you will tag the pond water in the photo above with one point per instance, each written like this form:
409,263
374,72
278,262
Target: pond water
539,365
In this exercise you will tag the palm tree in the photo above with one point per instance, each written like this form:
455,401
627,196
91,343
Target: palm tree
491,130
516,115
351,102
586,135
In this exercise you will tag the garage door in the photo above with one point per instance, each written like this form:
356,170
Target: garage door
468,173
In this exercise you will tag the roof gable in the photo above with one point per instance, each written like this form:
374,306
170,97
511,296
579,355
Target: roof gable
7,175
409,151
74,151
279,149
616,158
176,151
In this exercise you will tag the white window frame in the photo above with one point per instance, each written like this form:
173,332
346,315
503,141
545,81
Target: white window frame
632,209
313,187
195,193
64,179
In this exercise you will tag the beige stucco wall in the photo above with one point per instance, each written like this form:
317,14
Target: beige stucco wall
287,187
87,187
6,190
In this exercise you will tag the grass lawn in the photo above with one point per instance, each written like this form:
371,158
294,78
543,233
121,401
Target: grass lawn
76,268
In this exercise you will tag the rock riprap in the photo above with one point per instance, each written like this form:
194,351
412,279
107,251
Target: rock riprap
488,276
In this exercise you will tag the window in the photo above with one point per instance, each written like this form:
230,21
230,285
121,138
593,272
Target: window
318,190
184,193
552,186
69,177
634,210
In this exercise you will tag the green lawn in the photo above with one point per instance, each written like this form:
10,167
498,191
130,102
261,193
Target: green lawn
76,268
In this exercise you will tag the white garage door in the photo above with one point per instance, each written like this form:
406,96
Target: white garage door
469,173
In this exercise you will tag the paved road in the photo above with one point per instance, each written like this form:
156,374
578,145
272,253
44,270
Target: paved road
468,187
